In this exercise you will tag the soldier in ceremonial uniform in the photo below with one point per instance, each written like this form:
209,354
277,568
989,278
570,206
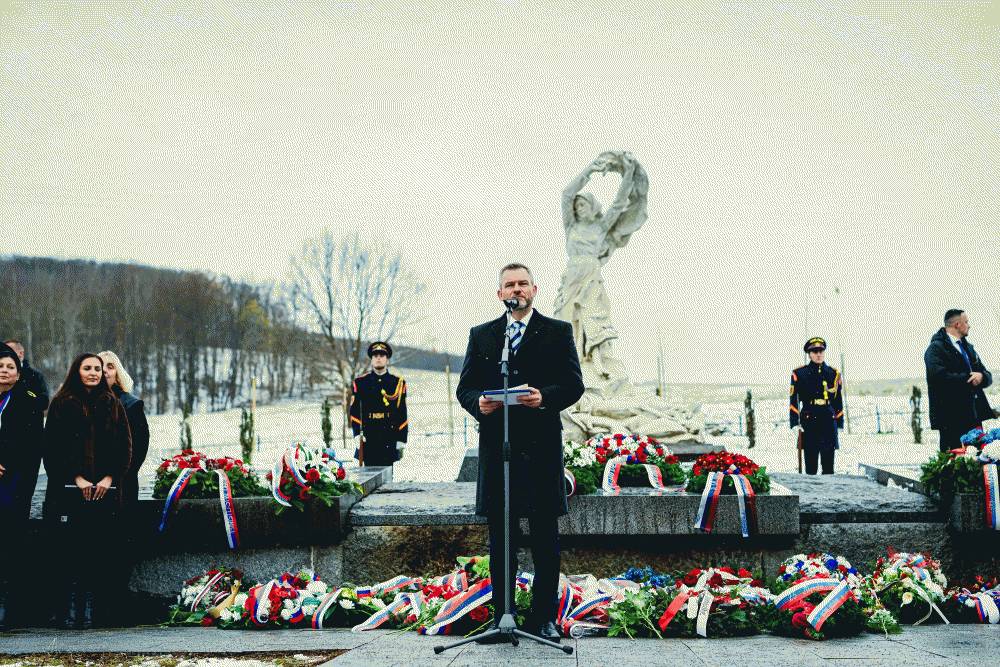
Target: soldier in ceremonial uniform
816,407
378,411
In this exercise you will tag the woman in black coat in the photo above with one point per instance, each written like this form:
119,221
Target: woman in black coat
88,449
20,435
121,384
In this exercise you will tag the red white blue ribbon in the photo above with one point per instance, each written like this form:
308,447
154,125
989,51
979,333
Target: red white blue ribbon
174,493
260,610
831,603
375,620
457,580
228,510
799,592
225,500
207,589
613,469
985,603
709,504
565,598
394,584
328,601
991,485
460,605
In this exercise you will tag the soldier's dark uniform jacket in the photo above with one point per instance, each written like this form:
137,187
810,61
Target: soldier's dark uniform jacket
378,411
816,402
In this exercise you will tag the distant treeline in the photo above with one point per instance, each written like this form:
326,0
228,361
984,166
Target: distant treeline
189,339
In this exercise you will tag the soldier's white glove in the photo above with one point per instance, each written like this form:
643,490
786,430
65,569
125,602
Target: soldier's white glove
400,446
797,429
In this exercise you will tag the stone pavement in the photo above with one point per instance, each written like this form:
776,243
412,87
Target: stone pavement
926,646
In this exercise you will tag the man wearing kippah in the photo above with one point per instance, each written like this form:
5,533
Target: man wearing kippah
378,411
956,378
816,407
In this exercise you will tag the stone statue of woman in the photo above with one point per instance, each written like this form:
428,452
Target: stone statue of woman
592,235
610,403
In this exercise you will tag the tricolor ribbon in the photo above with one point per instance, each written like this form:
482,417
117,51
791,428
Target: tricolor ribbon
260,610
379,618
985,603
328,601
174,493
457,580
228,510
709,505
831,603
991,486
790,597
225,500
565,599
394,584
460,605
207,589
613,469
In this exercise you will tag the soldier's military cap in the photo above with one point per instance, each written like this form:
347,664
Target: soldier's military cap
380,346
814,343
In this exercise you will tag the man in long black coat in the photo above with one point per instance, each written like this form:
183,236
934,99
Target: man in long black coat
545,360
956,378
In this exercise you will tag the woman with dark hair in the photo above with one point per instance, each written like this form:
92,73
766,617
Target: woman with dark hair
88,449
122,384
20,437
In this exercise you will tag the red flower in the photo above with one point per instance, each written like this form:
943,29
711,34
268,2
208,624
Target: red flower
312,475
744,573
412,618
341,474
479,614
715,580
641,455
269,476
691,578
207,621
304,493
799,620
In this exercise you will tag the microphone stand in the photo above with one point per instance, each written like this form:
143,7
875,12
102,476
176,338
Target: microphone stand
507,627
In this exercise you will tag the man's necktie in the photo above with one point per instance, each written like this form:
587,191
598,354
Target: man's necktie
514,329
965,353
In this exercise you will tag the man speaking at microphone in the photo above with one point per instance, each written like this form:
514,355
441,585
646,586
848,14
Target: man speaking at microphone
544,361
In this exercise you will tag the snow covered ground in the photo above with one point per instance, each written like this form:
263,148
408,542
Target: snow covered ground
434,454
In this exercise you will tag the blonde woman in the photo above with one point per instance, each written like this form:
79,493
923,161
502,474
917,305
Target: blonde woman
121,384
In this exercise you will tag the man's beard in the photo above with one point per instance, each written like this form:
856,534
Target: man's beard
527,303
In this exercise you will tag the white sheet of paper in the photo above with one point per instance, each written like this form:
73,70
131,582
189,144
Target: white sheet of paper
496,395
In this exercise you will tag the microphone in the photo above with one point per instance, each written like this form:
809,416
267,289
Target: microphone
511,304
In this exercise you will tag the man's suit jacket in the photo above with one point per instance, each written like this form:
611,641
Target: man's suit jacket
954,403
547,360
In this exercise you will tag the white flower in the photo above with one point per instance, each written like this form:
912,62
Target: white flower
316,587
241,599
992,451
309,609
289,604
286,614
907,597
971,452
347,604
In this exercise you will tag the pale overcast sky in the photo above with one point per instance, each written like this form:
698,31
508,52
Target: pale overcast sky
791,147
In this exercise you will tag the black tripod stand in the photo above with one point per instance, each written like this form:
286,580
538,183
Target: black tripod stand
506,628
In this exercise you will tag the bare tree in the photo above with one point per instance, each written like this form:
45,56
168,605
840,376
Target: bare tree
355,293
